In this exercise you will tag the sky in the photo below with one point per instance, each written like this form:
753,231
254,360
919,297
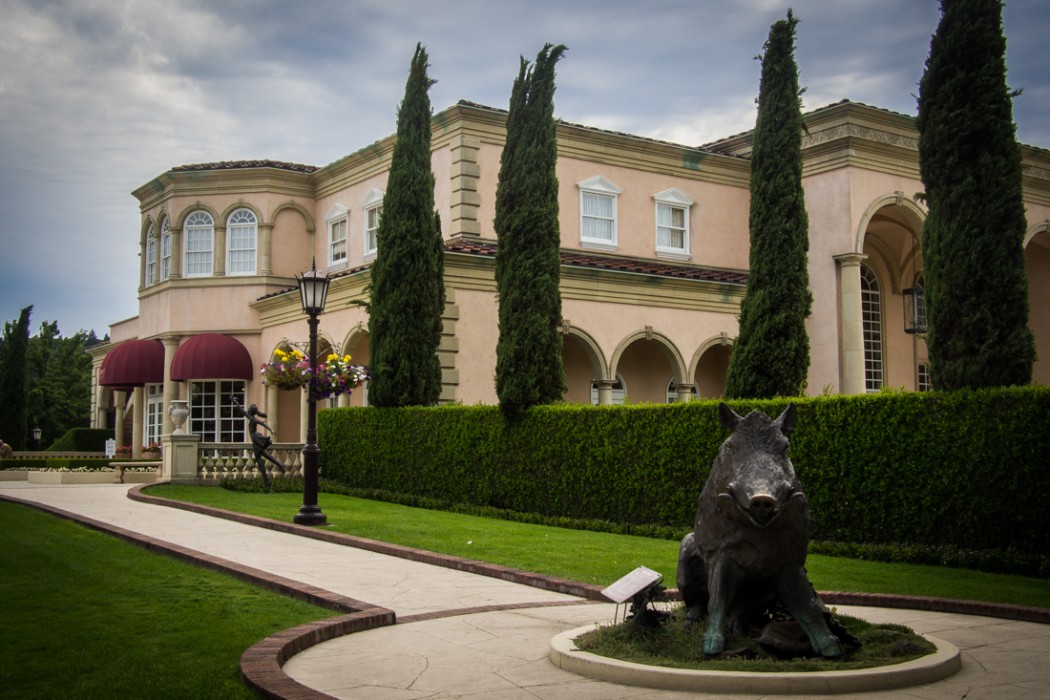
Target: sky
98,97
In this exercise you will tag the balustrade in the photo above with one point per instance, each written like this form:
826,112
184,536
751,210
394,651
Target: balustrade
234,460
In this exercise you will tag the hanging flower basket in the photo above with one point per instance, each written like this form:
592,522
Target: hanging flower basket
335,376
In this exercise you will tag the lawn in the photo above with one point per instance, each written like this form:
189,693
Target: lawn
86,615
593,557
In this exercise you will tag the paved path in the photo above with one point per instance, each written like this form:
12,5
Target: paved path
444,647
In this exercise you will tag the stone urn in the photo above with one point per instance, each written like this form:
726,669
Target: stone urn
178,410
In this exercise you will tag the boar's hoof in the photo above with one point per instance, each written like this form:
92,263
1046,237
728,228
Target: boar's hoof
830,647
714,643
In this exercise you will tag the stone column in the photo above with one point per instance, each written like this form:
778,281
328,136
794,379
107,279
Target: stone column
303,411
273,397
171,388
137,402
219,251
265,238
851,324
605,392
120,400
685,393
180,459
176,253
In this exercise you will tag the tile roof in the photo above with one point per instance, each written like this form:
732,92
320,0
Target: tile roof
572,258
242,164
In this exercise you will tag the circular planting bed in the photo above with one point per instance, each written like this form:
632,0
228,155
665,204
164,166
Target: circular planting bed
942,663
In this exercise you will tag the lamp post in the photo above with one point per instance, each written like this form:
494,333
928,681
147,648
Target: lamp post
37,432
313,291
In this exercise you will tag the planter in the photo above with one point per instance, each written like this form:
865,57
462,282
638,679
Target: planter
14,475
69,478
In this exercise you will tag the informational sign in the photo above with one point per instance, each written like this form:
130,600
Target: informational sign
631,584
111,447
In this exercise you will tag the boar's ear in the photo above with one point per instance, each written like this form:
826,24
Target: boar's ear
786,420
728,417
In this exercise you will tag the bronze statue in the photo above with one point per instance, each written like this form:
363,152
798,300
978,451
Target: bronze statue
748,547
260,441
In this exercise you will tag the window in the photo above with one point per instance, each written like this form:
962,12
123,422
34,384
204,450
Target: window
241,234
925,383
212,414
154,414
165,250
373,206
871,315
619,392
199,234
337,227
672,223
151,256
598,213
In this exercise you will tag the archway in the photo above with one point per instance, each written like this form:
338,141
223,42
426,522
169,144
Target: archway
646,360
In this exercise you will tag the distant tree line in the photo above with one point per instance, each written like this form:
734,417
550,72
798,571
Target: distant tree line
45,381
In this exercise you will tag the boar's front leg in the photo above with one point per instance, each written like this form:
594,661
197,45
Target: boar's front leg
797,595
722,581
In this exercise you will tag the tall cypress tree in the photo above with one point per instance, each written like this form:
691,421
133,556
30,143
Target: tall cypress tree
529,367
973,238
407,287
771,354
14,423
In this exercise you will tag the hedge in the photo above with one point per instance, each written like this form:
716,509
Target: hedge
966,469
82,440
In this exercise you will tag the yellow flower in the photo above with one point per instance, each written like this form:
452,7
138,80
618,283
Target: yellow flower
346,358
332,357
279,352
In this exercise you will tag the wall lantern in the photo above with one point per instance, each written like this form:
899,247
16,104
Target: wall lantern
914,310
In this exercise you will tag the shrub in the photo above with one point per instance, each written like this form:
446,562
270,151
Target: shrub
964,470
82,440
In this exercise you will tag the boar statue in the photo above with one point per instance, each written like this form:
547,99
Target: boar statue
748,547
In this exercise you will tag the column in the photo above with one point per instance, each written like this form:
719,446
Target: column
685,393
176,254
303,417
171,388
851,324
219,251
605,392
120,399
273,410
137,403
265,238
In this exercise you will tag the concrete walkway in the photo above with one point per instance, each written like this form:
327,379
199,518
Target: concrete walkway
462,635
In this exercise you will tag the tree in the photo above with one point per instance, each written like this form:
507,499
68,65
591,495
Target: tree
973,239
58,381
529,367
771,355
14,423
407,287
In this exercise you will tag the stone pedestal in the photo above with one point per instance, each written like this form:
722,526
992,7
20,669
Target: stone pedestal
180,459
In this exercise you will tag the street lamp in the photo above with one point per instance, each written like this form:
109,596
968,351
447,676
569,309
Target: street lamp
313,291
914,310
37,432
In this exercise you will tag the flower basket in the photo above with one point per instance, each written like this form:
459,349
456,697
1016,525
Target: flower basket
334,377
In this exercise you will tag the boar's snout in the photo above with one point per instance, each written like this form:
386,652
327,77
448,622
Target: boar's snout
762,509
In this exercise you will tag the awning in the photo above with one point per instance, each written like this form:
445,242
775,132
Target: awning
133,363
211,356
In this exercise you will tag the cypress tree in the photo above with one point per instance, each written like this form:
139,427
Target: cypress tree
529,368
407,286
973,238
14,423
771,354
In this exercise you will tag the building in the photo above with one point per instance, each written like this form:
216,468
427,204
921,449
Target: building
654,251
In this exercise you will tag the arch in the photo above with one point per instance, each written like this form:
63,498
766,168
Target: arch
241,204
1034,231
594,352
290,205
711,361
147,224
913,214
674,358
195,207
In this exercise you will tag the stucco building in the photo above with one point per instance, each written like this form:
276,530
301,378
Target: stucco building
654,242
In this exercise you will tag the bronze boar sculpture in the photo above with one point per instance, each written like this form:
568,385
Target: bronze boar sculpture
748,547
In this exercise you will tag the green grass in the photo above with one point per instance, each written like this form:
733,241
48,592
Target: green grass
86,615
594,557
677,645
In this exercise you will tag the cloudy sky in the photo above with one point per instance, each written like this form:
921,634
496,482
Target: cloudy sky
98,97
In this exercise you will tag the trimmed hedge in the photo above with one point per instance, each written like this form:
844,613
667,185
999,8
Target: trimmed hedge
82,440
965,469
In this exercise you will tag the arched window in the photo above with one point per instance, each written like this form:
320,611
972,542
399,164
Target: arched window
198,239
871,314
151,256
241,235
165,250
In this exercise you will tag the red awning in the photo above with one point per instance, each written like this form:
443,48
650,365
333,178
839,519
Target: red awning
133,363
211,356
